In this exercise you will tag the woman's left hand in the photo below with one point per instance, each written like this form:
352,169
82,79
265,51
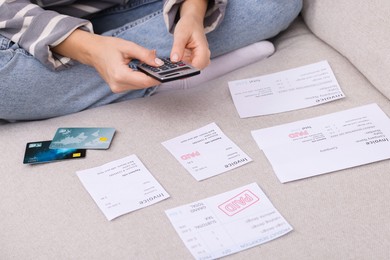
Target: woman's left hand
190,42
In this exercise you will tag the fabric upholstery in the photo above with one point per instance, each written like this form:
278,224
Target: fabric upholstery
47,214
359,30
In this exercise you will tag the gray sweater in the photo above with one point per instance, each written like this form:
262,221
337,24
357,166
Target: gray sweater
38,25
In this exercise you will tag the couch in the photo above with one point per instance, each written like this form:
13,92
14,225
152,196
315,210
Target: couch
47,214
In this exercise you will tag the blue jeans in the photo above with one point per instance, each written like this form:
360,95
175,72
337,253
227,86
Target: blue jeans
30,91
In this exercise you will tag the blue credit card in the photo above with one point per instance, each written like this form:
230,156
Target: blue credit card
39,152
83,138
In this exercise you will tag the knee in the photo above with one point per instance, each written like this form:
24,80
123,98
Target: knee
278,15
285,12
264,17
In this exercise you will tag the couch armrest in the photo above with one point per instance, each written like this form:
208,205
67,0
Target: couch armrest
357,29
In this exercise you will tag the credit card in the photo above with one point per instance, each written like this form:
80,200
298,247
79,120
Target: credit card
39,152
83,138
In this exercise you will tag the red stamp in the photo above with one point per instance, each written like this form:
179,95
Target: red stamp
190,155
238,203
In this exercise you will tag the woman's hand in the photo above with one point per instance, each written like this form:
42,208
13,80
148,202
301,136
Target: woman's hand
190,42
110,57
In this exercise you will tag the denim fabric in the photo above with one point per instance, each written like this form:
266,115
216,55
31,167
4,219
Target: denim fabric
118,16
30,91
250,22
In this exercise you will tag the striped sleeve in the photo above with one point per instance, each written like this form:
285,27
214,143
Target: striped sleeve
37,30
214,15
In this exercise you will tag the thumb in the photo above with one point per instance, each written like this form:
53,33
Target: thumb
150,58
143,54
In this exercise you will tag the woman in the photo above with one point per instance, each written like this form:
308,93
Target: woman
62,56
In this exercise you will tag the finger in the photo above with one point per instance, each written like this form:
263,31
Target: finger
201,57
178,47
143,54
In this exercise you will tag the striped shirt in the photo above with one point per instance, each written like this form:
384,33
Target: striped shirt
38,25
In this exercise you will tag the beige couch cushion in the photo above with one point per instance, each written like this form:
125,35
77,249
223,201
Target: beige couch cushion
359,30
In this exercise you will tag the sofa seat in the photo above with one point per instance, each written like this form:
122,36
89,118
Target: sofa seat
48,214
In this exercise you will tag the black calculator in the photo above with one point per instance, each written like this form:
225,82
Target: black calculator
169,71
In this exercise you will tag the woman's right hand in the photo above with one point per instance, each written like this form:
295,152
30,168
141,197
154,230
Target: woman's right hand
110,56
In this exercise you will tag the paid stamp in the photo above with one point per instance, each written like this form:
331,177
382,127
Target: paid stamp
238,203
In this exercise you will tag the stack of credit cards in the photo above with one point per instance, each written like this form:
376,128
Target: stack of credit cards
68,143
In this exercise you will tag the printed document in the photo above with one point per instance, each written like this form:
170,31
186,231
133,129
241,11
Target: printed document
327,143
288,90
228,223
122,186
206,152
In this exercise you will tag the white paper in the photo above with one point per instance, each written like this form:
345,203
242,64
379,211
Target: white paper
288,90
206,152
228,223
122,186
327,143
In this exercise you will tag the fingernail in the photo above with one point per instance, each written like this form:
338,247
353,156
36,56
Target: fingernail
175,57
158,61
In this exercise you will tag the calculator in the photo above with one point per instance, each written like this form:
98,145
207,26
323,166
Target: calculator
169,71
